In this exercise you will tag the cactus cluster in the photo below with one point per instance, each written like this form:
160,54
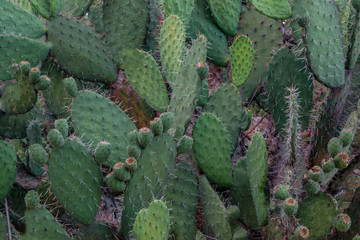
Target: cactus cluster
192,158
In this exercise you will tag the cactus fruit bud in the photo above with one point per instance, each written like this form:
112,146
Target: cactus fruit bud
131,164
34,75
302,232
43,83
156,126
144,137
342,222
55,138
346,137
121,173
328,165
32,199
133,150
167,120
115,184
185,144
316,173
334,146
133,137
25,67
341,160
281,192
102,151
290,206
312,187
202,70
233,213
38,154
62,126
70,86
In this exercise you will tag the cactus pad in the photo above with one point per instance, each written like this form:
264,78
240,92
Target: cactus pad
242,57
79,51
212,149
145,77
317,212
97,119
249,182
277,9
73,170
8,168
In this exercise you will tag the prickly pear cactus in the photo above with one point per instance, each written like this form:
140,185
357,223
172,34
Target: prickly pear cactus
277,9
8,169
249,184
105,121
212,149
75,179
153,222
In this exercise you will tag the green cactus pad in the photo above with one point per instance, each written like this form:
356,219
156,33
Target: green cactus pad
41,224
97,119
38,154
354,212
157,126
182,198
172,44
24,4
249,184
15,49
102,151
72,170
242,57
153,222
47,8
324,42
181,8
15,20
55,138
225,102
266,35
76,8
226,14
154,169
317,212
312,187
8,169
214,212
202,23
145,77
188,85
70,86
277,9
20,96
145,136
281,192
212,149
342,222
125,25
62,126
79,51
287,71
167,119
334,147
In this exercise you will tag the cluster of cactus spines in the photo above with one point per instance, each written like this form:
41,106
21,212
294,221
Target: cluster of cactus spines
249,190
149,164
242,57
212,149
153,222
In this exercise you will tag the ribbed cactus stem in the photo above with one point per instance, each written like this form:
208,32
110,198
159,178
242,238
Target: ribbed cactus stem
294,156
